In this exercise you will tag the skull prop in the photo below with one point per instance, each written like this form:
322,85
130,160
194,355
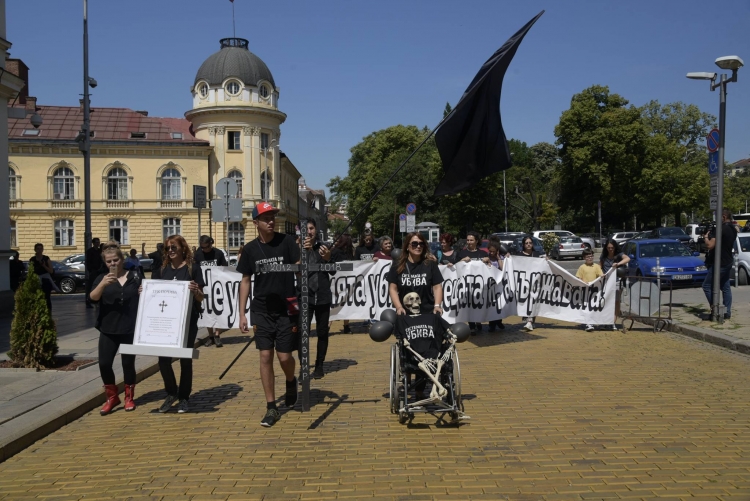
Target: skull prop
412,302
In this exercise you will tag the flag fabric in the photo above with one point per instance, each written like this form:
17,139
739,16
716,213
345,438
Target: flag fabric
471,140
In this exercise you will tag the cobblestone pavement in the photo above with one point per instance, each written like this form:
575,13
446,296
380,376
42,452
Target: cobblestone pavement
556,414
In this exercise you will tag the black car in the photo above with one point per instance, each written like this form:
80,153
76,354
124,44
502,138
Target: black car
67,279
517,246
671,233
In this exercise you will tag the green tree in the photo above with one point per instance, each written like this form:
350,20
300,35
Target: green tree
33,335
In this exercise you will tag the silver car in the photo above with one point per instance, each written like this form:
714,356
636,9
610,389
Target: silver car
622,236
76,261
742,250
568,247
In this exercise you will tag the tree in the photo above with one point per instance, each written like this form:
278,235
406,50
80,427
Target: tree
33,335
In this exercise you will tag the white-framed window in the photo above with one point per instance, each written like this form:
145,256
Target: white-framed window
233,140
265,185
264,141
118,231
203,90
263,91
64,233
171,226
13,234
236,233
117,184
63,187
12,184
170,185
233,88
237,176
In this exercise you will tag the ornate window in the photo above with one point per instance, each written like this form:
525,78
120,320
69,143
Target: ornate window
236,233
233,140
13,235
264,141
263,91
63,187
170,185
117,184
265,185
64,233
12,184
233,88
203,90
237,176
118,231
171,226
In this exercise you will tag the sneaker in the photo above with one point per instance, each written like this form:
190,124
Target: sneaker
272,415
614,327
479,326
168,402
589,328
209,341
291,393
218,343
347,330
528,327
727,316
500,324
183,406
318,372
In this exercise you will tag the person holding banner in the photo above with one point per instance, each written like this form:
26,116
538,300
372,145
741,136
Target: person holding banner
178,264
117,294
495,259
416,271
343,250
527,250
274,309
446,255
367,248
612,258
207,255
472,253
386,247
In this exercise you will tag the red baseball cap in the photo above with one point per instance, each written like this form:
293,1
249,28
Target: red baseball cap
263,208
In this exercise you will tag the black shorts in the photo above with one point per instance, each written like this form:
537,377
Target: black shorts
273,330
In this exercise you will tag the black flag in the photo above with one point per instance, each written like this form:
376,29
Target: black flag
471,141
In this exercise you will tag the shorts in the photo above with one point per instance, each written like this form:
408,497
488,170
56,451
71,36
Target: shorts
273,330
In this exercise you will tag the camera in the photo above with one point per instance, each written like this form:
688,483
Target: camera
707,226
368,228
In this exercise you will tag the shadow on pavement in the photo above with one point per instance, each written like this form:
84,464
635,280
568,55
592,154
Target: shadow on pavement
339,364
503,337
205,400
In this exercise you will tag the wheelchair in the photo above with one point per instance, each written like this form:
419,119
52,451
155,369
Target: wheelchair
410,372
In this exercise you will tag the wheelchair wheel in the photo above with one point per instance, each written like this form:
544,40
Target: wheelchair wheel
395,379
456,379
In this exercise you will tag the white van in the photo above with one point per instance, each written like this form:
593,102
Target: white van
694,231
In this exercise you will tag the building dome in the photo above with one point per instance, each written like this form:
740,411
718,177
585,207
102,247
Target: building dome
234,60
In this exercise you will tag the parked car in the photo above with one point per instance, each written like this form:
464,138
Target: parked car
641,235
621,236
587,242
76,261
742,249
678,264
509,237
517,246
598,240
671,233
694,231
68,279
568,247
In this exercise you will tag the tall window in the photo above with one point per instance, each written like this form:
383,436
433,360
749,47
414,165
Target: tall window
118,231
237,176
265,185
13,236
264,141
117,184
64,233
170,185
12,184
263,91
171,226
236,235
233,138
63,184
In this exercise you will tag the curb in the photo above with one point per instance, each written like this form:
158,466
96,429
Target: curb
705,335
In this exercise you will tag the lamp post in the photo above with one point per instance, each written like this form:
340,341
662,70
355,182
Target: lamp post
732,63
84,137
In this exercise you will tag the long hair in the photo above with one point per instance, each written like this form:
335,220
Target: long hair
405,250
344,244
187,253
604,250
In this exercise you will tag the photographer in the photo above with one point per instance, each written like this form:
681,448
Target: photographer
728,236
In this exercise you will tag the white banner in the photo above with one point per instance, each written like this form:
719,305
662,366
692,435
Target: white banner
472,292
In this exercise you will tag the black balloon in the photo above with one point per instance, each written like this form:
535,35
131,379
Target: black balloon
461,330
503,250
395,254
389,316
381,331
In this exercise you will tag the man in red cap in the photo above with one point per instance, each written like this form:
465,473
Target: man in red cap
271,311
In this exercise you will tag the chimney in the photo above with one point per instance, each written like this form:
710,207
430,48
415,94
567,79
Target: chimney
19,69
31,104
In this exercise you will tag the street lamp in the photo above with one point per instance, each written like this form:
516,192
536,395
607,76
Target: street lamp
732,63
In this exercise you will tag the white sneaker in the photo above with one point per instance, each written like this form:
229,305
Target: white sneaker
528,327
614,327
589,327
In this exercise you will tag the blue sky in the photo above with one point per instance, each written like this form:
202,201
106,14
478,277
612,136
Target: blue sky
348,68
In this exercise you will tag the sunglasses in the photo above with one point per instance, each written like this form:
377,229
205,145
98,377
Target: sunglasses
416,245
173,247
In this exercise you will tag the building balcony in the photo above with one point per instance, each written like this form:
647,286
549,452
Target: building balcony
171,204
65,204
118,204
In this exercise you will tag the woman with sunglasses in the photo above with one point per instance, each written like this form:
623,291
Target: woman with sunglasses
416,271
178,264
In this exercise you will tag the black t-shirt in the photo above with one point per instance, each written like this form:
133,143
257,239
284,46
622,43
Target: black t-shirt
338,255
93,261
270,289
452,259
424,332
363,253
419,278
728,236
38,268
155,260
118,306
476,255
182,273
607,263
213,257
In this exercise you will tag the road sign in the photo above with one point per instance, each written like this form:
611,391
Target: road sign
713,202
219,210
411,208
226,187
712,140
411,221
402,217
713,181
199,197
713,163
402,225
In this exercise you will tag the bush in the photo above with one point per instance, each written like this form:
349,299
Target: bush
33,335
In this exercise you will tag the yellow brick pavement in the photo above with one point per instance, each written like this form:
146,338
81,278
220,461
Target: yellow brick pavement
558,414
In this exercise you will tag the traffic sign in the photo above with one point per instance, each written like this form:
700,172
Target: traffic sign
411,225
411,208
402,225
713,163
712,140
402,217
226,187
199,197
219,210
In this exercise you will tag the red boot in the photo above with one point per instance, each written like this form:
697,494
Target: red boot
112,399
129,395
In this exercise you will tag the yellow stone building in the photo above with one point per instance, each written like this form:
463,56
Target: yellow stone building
143,169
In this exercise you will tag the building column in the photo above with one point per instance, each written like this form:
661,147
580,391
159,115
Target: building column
277,169
248,186
256,165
